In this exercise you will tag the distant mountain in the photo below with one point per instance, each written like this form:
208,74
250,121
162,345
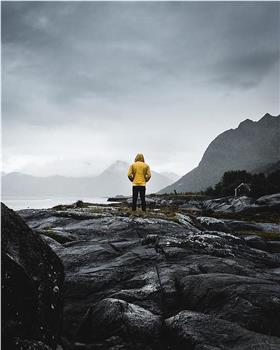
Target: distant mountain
112,181
26,186
251,146
170,175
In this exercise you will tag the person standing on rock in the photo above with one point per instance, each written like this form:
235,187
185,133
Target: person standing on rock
139,173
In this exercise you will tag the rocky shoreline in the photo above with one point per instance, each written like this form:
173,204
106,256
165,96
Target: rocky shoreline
199,274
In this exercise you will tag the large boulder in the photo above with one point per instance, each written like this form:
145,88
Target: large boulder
115,317
198,331
242,204
228,204
272,200
253,303
32,287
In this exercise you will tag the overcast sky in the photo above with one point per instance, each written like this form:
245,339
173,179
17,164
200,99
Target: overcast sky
88,83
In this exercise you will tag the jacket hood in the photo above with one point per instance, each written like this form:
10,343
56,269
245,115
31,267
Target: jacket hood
139,158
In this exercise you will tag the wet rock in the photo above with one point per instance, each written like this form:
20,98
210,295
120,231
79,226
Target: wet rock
24,344
269,227
119,265
51,242
251,302
242,204
228,204
213,224
115,317
239,225
274,246
30,271
272,200
186,222
191,205
257,242
152,240
198,331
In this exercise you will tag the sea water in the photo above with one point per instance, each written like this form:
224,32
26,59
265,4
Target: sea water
44,203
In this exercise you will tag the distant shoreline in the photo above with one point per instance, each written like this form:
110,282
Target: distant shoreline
17,203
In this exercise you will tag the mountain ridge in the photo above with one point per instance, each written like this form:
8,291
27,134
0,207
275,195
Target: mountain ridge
112,181
252,145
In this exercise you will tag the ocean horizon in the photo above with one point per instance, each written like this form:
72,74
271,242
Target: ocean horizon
45,203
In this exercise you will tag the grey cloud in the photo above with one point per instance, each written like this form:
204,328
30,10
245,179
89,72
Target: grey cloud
95,64
111,49
247,70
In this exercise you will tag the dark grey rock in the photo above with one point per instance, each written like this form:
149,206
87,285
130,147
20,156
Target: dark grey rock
115,317
257,242
50,241
198,331
32,281
191,205
269,200
119,265
228,204
236,226
241,204
24,344
213,224
239,225
274,246
251,302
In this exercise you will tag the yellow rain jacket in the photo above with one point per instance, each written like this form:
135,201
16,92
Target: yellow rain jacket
139,172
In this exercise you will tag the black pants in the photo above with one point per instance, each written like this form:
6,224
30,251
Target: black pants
135,191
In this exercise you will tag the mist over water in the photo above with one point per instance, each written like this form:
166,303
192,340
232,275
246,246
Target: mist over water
44,203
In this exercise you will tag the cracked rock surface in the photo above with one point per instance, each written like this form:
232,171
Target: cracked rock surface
162,283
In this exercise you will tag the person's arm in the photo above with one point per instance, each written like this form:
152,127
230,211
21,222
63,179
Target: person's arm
130,173
148,174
